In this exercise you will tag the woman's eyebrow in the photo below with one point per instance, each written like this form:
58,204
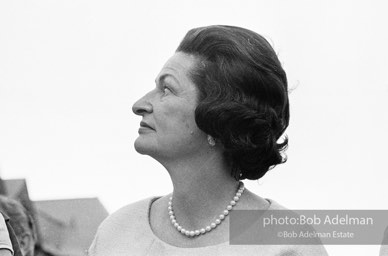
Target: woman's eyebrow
163,77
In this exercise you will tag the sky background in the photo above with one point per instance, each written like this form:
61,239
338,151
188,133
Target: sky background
71,70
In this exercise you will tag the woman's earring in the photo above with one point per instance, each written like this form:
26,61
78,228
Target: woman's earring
211,141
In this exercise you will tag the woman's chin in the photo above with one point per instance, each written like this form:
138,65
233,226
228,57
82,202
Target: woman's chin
142,147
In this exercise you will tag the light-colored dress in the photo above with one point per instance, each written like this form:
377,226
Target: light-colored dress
5,241
128,232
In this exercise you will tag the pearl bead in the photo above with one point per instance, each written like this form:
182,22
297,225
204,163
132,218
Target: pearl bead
214,224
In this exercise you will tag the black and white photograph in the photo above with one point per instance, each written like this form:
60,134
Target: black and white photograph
193,128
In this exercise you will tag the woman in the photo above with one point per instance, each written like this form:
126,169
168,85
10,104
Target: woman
214,118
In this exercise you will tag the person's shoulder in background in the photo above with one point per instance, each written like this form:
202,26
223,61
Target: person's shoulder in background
5,241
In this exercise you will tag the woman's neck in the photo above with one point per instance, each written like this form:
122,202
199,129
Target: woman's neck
201,190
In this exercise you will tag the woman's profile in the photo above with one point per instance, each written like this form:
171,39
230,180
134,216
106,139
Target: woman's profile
215,118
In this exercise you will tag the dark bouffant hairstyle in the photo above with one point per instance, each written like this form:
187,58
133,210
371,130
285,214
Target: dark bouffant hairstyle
243,96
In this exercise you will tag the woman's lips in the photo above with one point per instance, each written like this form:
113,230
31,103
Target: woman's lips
144,125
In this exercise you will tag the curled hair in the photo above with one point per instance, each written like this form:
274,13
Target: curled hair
243,96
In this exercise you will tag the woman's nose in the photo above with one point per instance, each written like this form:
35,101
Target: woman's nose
142,106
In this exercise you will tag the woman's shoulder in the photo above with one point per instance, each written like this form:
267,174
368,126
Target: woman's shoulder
129,214
135,207
315,248
273,205
124,229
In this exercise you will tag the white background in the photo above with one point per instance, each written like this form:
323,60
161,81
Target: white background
71,70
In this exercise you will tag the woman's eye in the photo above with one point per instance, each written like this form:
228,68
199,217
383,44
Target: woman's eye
166,90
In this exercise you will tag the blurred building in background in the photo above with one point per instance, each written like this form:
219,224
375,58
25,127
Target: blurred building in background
65,227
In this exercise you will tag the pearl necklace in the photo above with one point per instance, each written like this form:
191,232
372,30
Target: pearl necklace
213,225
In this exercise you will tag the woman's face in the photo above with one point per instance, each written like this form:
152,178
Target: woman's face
168,129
